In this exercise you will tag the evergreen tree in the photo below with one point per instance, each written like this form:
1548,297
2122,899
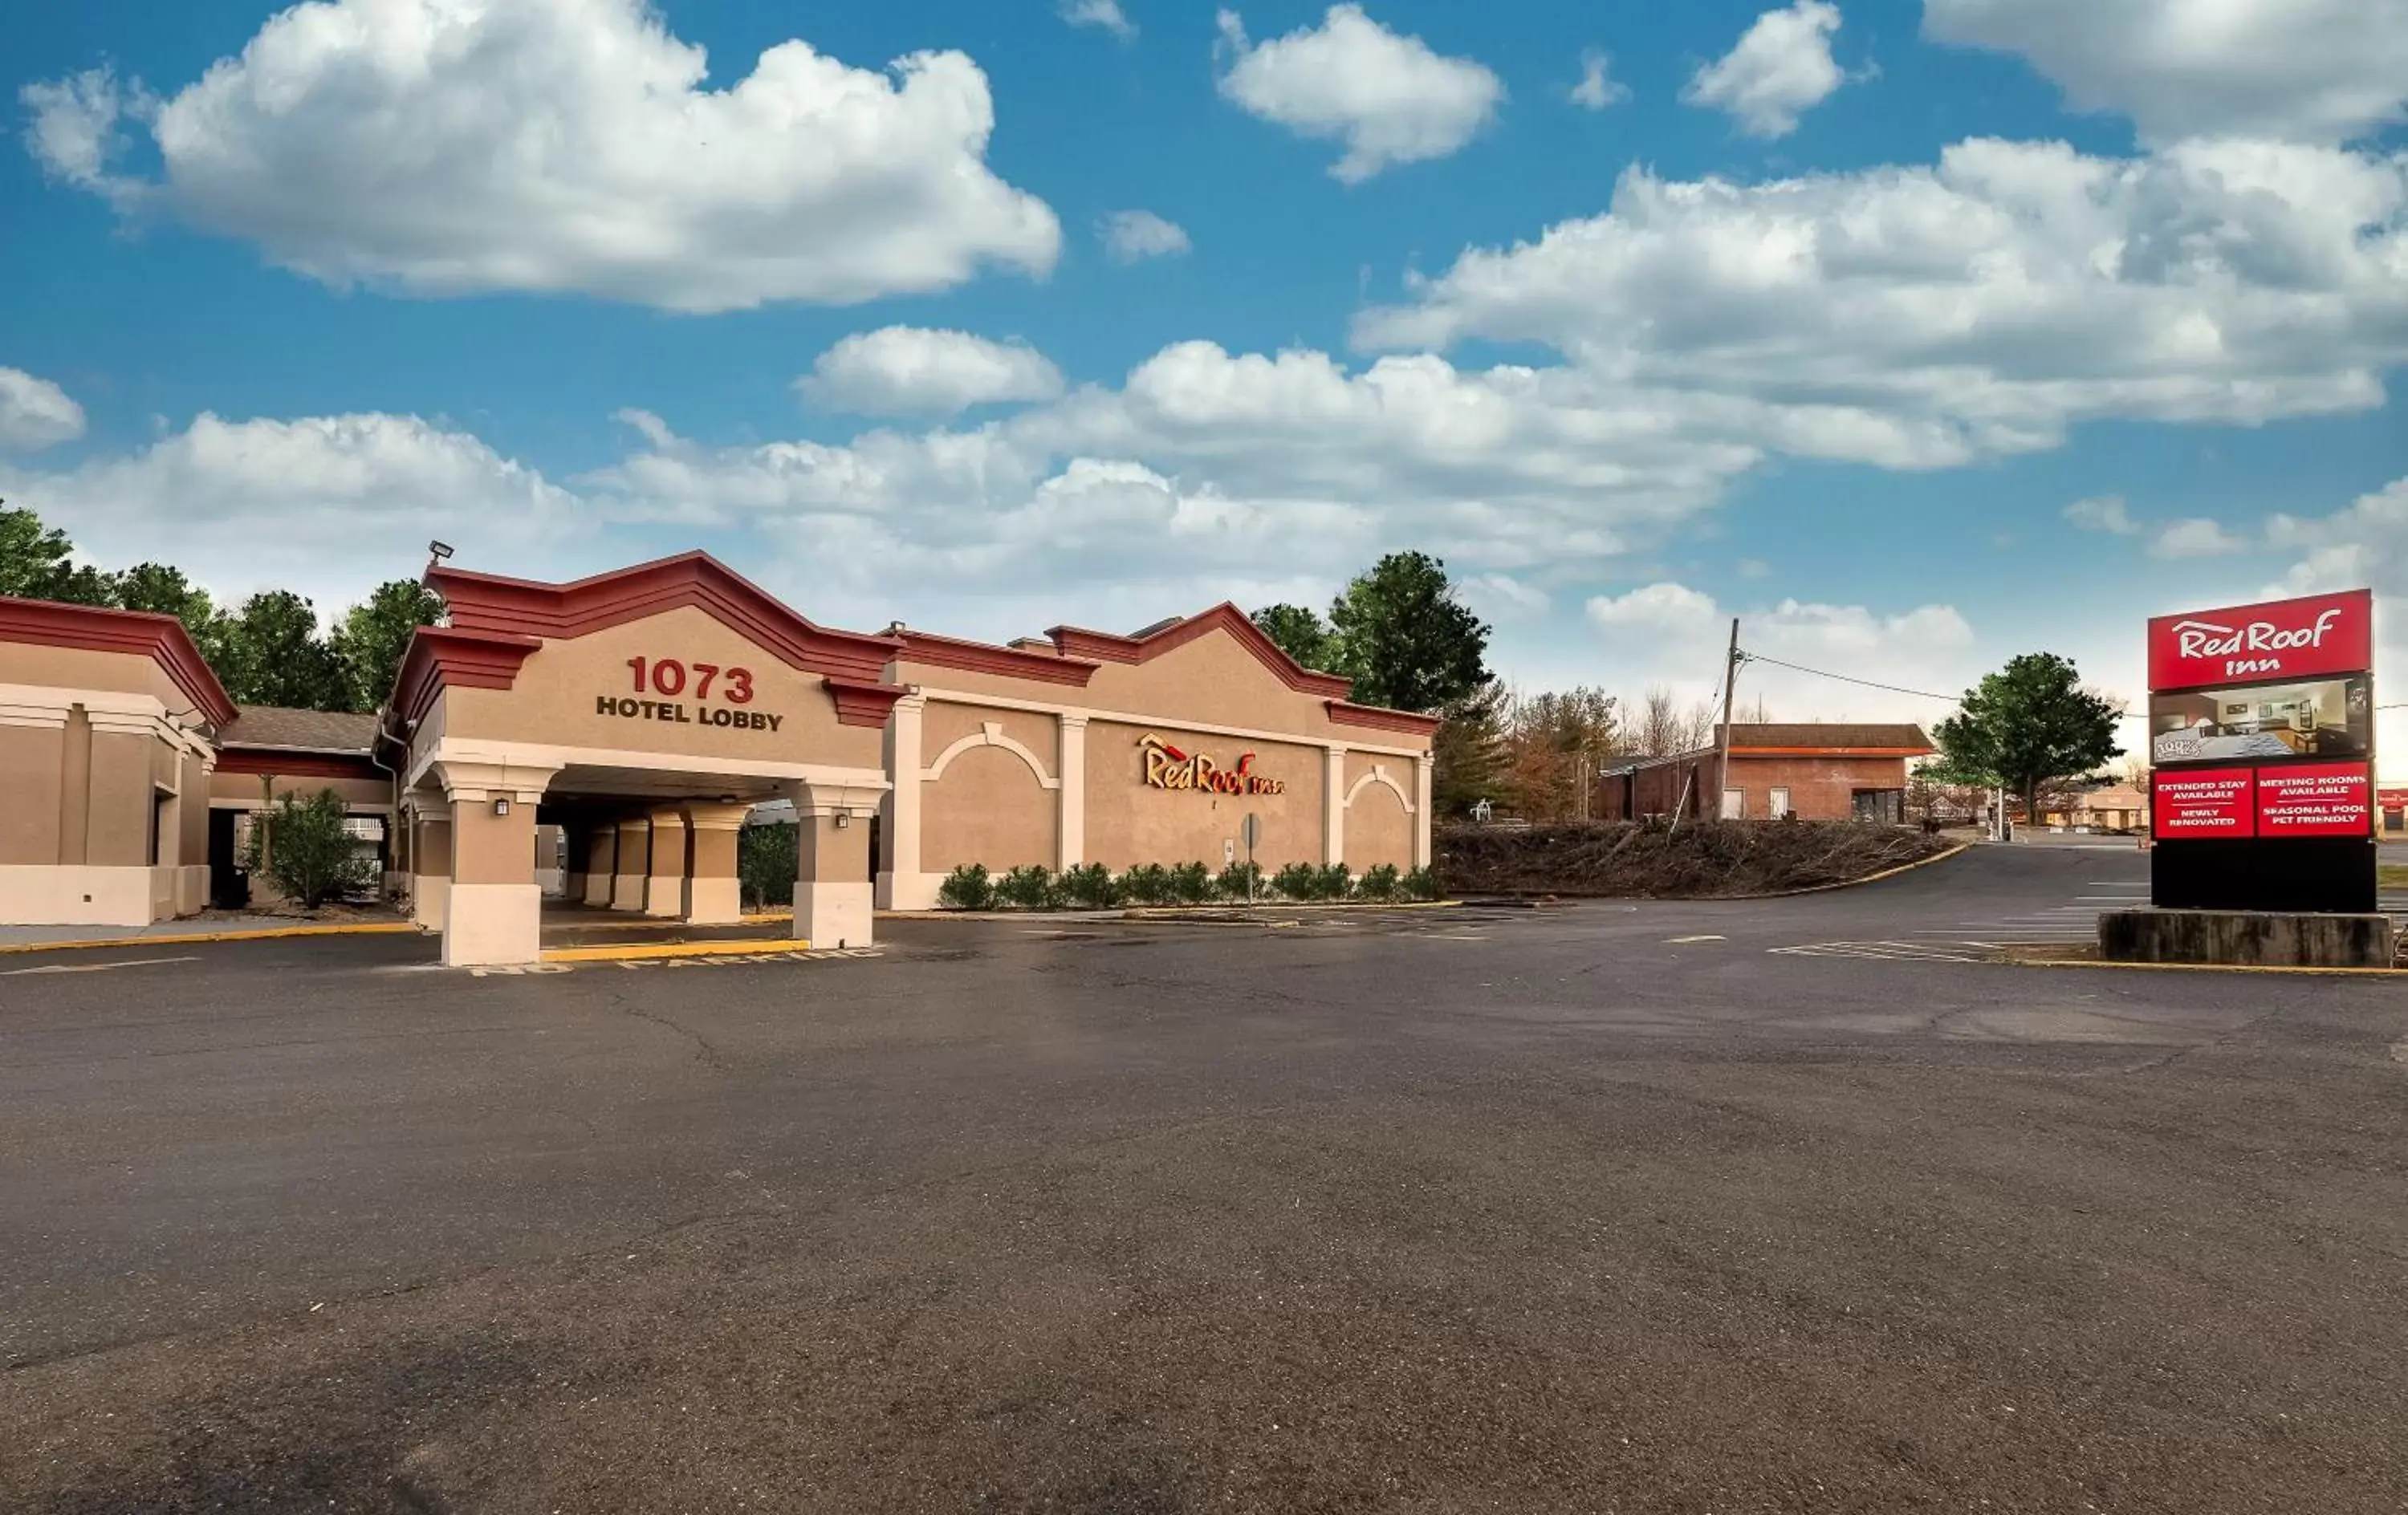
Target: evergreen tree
164,590
1468,752
1406,641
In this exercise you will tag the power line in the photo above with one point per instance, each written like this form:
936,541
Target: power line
1845,678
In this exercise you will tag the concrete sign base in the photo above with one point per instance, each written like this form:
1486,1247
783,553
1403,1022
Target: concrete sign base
2246,938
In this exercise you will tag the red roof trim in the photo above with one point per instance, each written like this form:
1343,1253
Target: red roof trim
161,638
860,703
983,657
1380,718
447,657
1103,647
521,606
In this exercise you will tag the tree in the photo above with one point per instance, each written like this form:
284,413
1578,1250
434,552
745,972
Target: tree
1468,751
2026,724
1406,640
164,590
1554,744
372,637
1301,635
1666,729
36,562
275,656
309,854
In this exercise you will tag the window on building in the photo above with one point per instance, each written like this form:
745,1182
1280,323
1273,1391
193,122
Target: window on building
1734,804
1884,807
1781,805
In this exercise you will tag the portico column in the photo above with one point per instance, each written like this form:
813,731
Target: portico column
714,894
430,862
576,847
1422,810
833,905
665,889
1333,805
634,865
601,863
1072,796
495,914
901,885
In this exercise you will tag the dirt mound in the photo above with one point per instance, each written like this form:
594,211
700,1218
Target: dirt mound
1703,860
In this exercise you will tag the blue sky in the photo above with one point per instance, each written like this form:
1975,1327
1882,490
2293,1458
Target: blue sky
1917,335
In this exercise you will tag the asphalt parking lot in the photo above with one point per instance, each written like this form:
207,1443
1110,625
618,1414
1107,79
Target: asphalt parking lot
1665,1207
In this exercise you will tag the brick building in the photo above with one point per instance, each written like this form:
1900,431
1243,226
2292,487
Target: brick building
1815,771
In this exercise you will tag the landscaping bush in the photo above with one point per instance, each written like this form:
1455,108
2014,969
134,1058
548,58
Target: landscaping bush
310,857
1191,883
1091,887
1297,881
1031,888
1241,883
1336,882
1147,885
1380,884
1421,884
765,862
966,888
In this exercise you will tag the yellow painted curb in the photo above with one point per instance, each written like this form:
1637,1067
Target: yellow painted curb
2196,967
633,951
666,922
366,928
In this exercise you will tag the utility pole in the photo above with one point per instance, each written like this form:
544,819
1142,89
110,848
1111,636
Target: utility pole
1730,711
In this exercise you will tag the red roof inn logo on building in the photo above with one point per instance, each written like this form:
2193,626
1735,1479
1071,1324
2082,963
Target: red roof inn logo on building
1168,767
2322,634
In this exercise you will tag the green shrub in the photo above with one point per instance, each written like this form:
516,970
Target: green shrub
1298,882
1242,881
1091,887
1336,882
1421,884
966,888
1378,883
1031,888
1191,883
765,862
310,857
1146,885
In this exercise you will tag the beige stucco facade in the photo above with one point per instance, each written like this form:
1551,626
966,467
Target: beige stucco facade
635,717
1038,754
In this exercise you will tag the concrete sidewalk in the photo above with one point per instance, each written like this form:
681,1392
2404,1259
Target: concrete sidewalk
210,923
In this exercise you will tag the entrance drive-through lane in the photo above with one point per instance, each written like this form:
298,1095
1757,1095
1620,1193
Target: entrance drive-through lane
1603,1206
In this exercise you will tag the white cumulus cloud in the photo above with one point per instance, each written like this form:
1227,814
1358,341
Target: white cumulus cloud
2195,538
1104,14
913,370
1598,87
1671,633
35,412
1925,316
328,505
1780,69
1389,98
1130,235
456,147
2103,513
2305,70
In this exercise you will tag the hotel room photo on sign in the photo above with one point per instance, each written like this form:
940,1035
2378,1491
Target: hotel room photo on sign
2326,717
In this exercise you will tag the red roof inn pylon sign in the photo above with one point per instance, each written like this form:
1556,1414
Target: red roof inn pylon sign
2262,749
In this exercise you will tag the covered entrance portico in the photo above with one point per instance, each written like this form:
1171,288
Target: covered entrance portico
644,713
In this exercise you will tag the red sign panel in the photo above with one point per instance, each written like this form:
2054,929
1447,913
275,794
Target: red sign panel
2321,799
2320,634
2196,804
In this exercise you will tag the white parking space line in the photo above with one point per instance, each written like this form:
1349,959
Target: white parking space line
1880,952
97,967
